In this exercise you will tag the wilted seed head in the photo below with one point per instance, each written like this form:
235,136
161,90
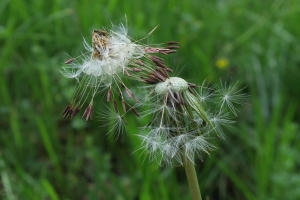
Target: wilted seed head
112,57
182,119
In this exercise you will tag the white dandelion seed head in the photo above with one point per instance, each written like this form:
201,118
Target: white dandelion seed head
109,57
174,84
184,117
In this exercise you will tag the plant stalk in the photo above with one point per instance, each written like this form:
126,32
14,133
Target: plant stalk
192,179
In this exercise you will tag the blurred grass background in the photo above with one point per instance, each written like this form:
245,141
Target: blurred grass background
43,156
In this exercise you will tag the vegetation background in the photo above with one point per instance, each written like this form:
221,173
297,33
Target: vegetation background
43,156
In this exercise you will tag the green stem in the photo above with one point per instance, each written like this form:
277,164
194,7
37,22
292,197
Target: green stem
192,179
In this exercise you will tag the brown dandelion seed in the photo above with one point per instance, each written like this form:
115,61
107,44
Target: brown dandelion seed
128,92
170,51
109,92
68,111
88,113
172,98
169,69
134,97
137,70
165,72
75,112
159,64
152,76
151,81
140,62
160,76
175,97
135,112
157,58
191,90
126,72
179,98
67,115
157,61
162,72
163,52
69,61
124,120
173,47
68,107
192,85
116,106
151,50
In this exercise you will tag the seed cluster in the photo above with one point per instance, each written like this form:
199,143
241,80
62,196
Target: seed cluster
184,115
114,58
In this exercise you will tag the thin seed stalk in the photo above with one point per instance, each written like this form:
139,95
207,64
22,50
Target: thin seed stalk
192,178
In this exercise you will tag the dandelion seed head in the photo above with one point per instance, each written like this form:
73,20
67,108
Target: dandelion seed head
110,54
111,58
183,116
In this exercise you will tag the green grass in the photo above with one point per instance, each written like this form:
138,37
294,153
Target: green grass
43,156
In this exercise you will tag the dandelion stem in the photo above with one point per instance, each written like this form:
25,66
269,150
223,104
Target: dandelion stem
192,179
